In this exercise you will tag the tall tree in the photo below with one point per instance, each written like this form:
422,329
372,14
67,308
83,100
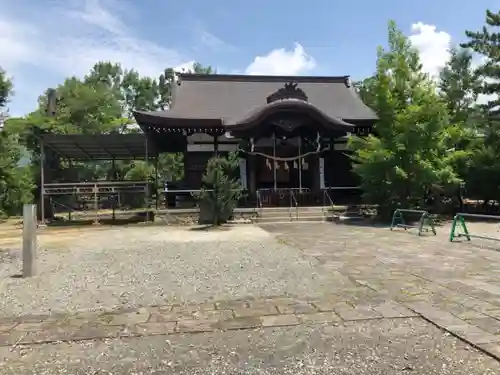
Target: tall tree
366,92
132,91
485,43
15,180
459,86
407,158
483,181
5,88
200,69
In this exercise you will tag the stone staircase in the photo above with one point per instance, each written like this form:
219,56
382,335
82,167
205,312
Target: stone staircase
287,214
313,213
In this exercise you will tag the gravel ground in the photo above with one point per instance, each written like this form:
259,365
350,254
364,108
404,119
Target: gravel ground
137,266
389,347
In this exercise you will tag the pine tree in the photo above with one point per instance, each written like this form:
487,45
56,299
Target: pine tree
459,86
486,43
220,189
407,158
483,179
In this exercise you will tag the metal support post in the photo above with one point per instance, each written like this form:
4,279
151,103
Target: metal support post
300,164
274,162
146,192
42,183
96,205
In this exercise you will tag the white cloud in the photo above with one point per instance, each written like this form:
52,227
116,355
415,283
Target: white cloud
187,67
433,46
212,41
282,62
69,39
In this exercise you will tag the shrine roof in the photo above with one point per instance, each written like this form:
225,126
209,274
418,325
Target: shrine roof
217,100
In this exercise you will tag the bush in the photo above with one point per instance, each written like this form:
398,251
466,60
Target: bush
220,190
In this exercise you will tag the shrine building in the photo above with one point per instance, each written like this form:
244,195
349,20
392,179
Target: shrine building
290,131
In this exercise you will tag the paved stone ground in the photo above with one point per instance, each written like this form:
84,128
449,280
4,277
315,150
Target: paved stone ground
456,286
370,347
401,304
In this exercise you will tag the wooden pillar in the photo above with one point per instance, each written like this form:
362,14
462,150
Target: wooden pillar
252,183
146,188
314,170
216,145
157,185
186,160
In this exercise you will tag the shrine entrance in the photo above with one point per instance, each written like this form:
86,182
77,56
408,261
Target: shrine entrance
283,169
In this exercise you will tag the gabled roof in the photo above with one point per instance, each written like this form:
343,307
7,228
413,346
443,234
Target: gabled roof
225,99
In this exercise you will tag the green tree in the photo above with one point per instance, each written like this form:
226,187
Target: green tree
15,180
485,43
132,91
102,102
484,165
5,88
459,86
220,190
366,91
407,159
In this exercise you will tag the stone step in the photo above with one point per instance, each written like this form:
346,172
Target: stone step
294,214
272,210
288,219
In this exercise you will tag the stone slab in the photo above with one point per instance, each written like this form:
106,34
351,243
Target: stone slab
257,311
195,326
240,323
279,320
318,318
356,312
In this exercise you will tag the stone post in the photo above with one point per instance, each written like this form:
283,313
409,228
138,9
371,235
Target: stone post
29,239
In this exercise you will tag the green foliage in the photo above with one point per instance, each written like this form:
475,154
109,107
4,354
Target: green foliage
5,88
485,43
220,190
15,180
482,166
366,92
101,102
407,158
458,86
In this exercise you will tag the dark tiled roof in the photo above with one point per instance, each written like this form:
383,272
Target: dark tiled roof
233,97
285,105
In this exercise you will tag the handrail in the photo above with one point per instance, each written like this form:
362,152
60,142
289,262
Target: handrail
70,209
326,195
293,199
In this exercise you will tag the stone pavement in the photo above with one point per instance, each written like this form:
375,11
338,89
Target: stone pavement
346,307
384,279
456,286
208,317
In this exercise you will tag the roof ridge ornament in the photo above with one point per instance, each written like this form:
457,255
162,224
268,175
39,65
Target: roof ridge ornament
289,91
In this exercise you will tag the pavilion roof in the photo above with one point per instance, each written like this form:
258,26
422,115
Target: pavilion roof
100,146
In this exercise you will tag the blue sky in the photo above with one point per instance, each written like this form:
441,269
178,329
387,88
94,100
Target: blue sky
43,41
